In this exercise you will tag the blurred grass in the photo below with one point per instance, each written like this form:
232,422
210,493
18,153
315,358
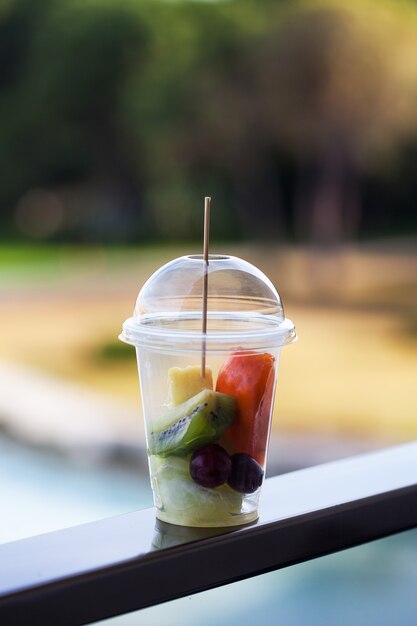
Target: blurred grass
114,351
352,372
53,261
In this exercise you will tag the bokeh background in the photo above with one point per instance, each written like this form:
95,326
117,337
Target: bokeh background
116,119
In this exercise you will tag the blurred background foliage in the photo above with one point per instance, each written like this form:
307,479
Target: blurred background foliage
117,117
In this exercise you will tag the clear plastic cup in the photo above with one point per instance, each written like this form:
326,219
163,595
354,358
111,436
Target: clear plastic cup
207,436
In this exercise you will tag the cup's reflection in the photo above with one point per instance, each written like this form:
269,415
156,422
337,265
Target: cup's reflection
170,535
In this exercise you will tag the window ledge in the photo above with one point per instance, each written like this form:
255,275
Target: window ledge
113,566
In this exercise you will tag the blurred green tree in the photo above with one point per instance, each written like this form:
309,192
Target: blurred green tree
59,104
120,116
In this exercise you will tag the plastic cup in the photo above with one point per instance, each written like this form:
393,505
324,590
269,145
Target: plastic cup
207,437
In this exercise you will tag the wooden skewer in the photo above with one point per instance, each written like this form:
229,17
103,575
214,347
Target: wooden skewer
207,202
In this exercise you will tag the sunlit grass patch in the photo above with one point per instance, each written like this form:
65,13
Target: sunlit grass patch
353,370
113,351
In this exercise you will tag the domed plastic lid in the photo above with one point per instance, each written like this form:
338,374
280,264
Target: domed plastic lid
243,307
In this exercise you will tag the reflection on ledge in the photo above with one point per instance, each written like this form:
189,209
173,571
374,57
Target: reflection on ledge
170,535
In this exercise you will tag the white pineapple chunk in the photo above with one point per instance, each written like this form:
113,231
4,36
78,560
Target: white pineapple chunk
186,382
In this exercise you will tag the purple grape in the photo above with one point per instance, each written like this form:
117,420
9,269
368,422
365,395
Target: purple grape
246,475
210,466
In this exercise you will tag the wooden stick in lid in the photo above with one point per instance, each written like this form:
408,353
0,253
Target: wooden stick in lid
207,202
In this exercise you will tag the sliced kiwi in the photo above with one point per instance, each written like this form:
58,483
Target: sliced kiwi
196,422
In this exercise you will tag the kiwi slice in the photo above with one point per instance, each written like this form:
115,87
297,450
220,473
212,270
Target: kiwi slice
192,424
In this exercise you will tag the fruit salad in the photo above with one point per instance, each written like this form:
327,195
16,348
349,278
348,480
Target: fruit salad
207,451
